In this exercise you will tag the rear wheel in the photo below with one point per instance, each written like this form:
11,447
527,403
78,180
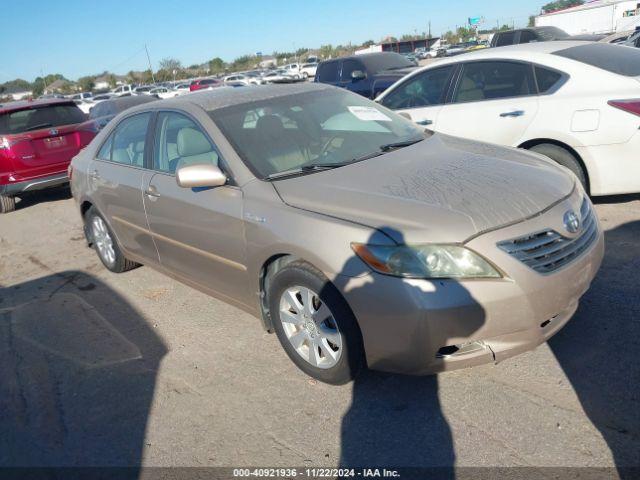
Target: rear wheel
105,243
314,324
563,157
7,204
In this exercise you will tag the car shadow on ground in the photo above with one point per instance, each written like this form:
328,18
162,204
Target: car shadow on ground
396,420
29,199
79,368
598,349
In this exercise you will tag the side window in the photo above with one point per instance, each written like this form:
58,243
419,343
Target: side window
179,142
129,140
328,72
546,79
527,36
506,38
423,90
348,67
105,151
494,80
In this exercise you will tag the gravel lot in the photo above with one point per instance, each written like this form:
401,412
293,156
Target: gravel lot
105,369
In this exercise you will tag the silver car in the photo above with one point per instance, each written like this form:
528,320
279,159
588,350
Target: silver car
357,237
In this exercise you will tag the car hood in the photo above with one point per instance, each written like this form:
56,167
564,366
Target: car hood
444,189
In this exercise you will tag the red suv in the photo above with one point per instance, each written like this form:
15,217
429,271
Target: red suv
204,83
38,139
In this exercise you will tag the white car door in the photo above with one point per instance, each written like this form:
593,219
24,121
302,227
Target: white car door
421,97
494,101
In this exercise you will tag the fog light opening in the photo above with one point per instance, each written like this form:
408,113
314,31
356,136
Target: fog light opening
460,349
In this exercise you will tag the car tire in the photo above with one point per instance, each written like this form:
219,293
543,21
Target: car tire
105,244
563,157
324,341
7,204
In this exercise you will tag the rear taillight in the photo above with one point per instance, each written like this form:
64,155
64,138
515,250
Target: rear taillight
631,106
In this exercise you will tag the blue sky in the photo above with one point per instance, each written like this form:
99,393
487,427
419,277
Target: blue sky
78,38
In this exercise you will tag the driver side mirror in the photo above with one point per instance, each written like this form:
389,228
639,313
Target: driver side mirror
202,175
358,75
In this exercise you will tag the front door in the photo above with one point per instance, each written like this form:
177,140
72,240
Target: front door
420,98
199,232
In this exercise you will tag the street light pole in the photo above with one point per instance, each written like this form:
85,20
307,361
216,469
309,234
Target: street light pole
153,78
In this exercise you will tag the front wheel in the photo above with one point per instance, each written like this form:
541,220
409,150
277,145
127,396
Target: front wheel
105,243
564,158
314,324
7,204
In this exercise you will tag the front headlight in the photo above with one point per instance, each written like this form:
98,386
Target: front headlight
425,261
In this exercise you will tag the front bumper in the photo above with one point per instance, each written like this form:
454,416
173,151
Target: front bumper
33,184
415,326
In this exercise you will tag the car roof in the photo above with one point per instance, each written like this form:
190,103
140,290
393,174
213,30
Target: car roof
222,97
22,104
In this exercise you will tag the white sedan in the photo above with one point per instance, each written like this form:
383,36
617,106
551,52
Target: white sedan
575,102
162,92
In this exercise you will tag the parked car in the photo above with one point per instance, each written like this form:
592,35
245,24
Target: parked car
204,83
104,111
143,89
451,50
280,76
181,89
538,34
293,69
423,53
368,75
412,58
37,141
242,79
123,91
308,70
356,236
162,92
82,96
633,40
574,102
84,105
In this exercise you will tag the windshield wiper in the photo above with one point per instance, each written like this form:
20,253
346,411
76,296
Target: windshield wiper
394,146
315,167
37,127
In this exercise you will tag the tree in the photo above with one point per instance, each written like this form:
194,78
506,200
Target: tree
532,21
87,83
111,78
170,64
561,5
216,65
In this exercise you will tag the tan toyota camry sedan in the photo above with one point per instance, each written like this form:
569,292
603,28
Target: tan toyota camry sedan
357,237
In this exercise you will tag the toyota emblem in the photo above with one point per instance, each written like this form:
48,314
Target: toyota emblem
571,222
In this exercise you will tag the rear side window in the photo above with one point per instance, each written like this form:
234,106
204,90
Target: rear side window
546,79
494,80
506,38
423,90
348,67
127,142
36,118
328,72
612,58
527,36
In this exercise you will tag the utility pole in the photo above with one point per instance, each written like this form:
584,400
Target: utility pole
429,29
153,78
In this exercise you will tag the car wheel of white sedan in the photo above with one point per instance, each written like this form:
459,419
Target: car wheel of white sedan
564,158
314,324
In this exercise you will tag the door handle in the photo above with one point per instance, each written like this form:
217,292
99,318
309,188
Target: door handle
425,122
514,113
152,192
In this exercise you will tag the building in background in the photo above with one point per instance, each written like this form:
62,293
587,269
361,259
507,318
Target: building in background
598,16
402,46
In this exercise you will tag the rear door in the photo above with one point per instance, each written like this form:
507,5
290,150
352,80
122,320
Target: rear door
493,101
421,97
199,232
116,176
44,138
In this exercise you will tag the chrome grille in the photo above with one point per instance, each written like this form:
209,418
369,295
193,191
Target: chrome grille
548,251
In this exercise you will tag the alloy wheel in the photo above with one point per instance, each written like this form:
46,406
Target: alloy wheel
310,327
102,240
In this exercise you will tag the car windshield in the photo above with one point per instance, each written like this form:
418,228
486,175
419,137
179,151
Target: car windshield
312,131
37,117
